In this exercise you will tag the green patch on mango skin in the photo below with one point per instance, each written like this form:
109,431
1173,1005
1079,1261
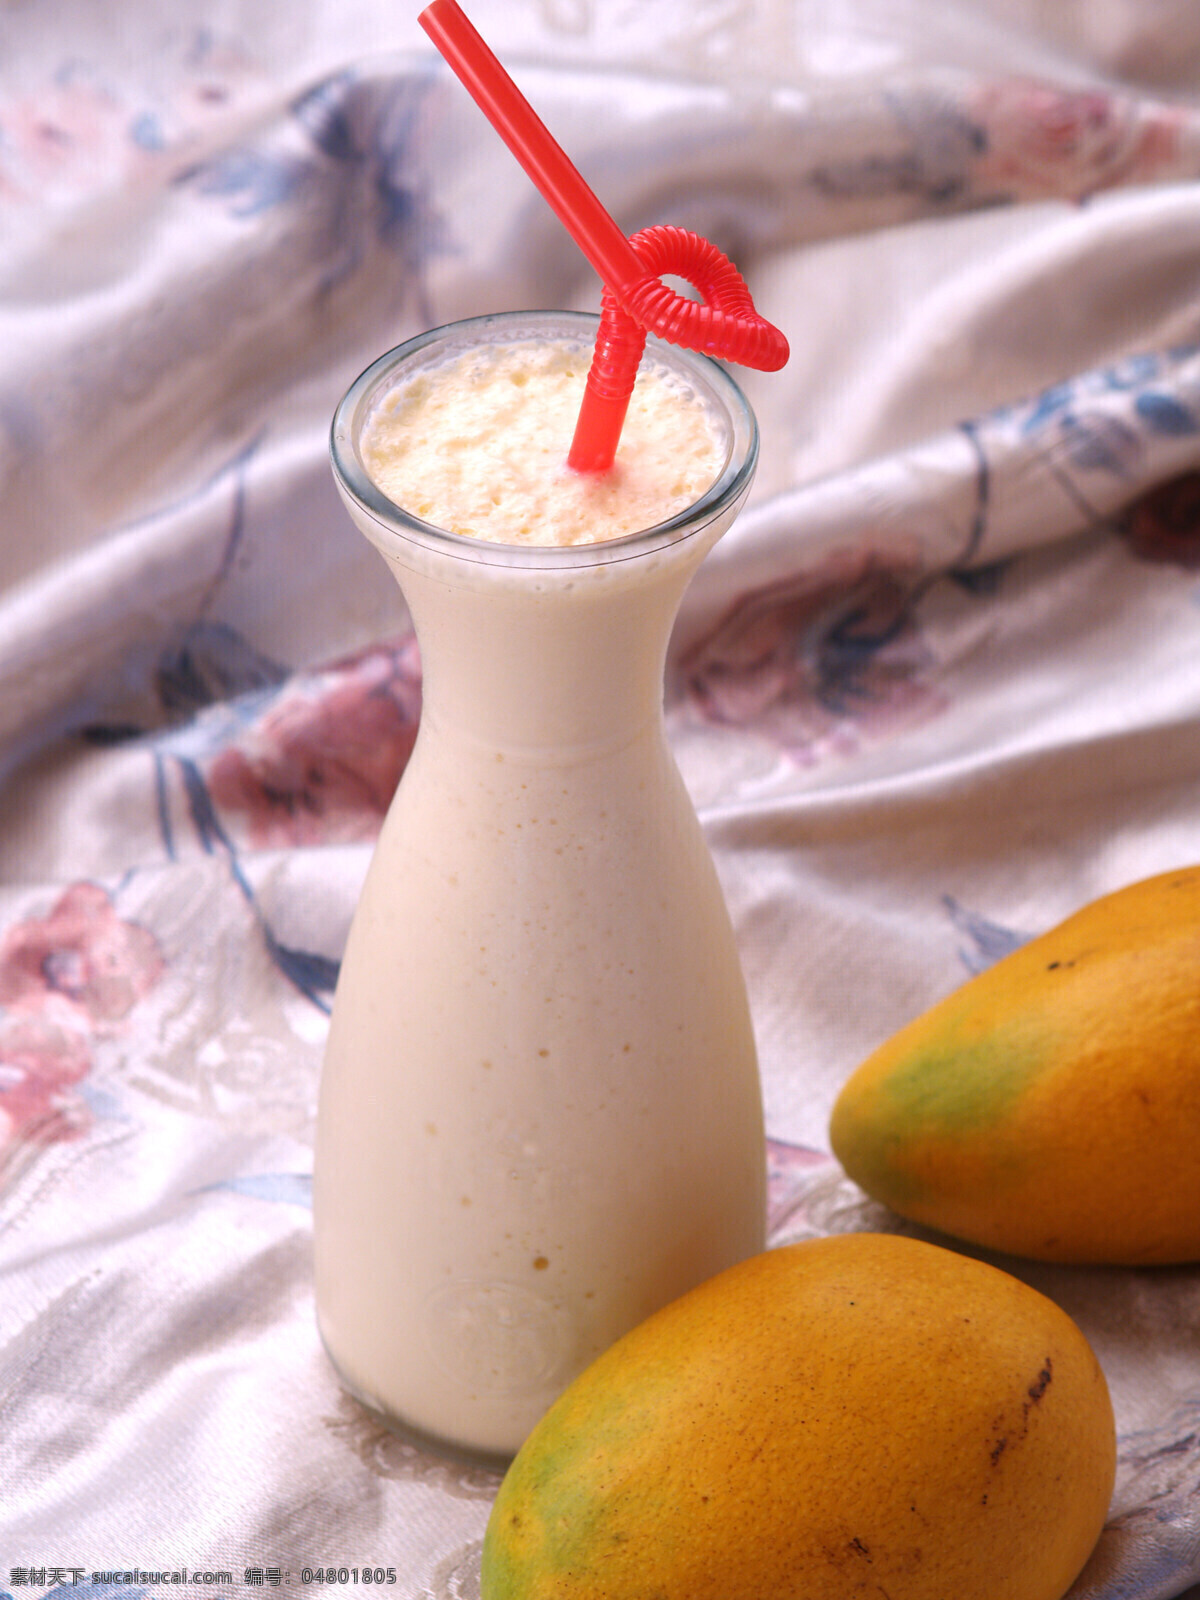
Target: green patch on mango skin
953,1088
935,1086
548,1508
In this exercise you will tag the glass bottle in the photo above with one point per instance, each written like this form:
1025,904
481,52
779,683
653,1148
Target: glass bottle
540,1115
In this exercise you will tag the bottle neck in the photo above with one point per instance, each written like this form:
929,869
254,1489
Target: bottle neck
566,664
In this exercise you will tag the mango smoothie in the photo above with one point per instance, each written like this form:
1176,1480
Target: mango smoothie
540,1113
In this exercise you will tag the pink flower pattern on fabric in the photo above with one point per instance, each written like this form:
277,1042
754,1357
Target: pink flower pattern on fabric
321,764
42,1057
1044,141
818,663
67,142
64,978
85,133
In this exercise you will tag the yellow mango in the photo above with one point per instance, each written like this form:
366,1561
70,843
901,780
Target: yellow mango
856,1416
1050,1107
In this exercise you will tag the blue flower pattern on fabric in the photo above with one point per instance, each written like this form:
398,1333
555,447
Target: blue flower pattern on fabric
985,941
1163,413
373,126
283,1188
251,181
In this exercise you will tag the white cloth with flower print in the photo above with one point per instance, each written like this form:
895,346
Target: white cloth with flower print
937,688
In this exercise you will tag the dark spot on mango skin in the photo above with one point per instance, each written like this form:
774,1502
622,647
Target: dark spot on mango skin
1040,1384
1033,1396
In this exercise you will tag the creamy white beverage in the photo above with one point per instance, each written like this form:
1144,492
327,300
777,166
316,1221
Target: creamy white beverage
479,446
540,1114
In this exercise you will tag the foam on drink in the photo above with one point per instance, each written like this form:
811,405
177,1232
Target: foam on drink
479,447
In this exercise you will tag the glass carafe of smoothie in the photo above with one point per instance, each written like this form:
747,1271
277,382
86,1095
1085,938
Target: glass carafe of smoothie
540,1116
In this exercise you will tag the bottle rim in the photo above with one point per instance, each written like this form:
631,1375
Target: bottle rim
390,522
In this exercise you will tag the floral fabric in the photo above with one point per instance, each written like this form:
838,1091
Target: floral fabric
938,687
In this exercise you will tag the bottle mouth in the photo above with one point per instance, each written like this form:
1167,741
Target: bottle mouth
389,524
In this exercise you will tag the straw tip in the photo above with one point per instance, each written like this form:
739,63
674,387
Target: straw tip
440,17
779,350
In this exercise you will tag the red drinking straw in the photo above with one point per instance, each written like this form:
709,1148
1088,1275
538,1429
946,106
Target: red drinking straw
724,324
